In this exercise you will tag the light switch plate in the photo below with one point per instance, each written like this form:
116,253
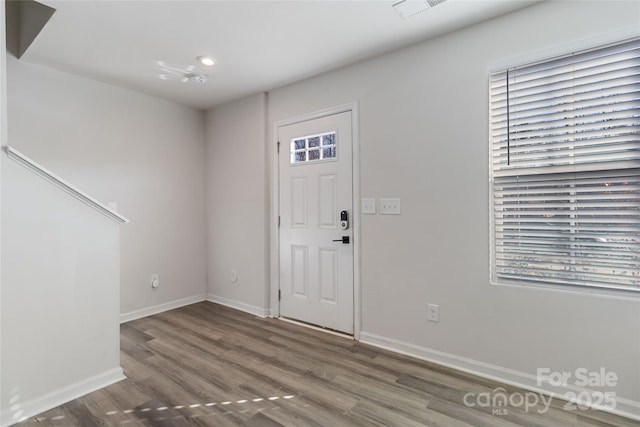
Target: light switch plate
390,206
369,206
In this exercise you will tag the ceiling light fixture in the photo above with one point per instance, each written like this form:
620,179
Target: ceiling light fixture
206,60
194,77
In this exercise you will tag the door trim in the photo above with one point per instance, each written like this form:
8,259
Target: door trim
274,255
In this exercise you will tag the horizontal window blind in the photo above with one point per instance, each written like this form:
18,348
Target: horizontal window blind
565,165
575,113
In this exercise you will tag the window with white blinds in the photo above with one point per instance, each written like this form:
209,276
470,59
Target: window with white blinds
565,170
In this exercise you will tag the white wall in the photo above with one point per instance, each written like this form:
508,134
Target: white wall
237,193
59,321
424,138
144,153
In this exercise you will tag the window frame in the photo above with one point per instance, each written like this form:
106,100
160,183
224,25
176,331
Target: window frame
538,57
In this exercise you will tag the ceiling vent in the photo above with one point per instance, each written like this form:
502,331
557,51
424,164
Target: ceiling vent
409,8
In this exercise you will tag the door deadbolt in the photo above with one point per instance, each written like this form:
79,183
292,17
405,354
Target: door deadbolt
344,220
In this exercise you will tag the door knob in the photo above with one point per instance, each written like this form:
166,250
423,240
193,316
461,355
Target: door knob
345,240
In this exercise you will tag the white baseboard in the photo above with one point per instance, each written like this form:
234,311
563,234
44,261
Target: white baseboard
23,410
624,407
251,309
150,311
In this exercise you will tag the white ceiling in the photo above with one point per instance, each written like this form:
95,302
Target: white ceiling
258,45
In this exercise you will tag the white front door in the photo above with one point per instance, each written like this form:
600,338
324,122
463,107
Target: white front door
316,265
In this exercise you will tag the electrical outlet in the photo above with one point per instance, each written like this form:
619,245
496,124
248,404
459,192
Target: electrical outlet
155,280
433,314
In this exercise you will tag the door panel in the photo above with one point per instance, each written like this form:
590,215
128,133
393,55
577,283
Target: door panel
300,271
328,275
299,198
327,202
316,267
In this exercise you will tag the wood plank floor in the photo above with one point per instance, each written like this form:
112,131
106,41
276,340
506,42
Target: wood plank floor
209,365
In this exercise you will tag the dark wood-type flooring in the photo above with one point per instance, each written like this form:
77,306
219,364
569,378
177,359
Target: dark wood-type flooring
209,365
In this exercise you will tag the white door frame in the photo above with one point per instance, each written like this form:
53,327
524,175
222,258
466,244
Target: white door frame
274,283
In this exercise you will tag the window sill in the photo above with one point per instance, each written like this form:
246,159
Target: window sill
606,293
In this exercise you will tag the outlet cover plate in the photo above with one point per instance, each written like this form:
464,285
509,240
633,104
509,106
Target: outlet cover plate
433,314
